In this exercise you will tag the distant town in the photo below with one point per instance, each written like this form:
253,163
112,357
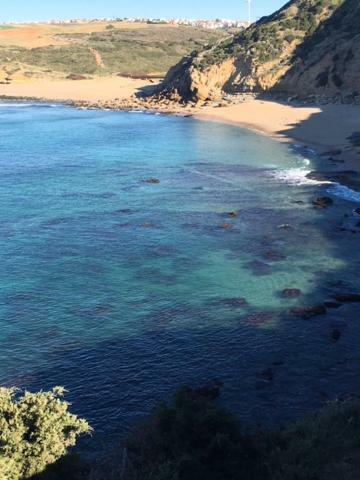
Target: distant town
209,24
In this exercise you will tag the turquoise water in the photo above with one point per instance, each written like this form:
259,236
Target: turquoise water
122,290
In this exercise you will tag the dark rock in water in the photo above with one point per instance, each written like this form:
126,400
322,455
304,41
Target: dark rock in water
231,302
298,202
259,268
232,214
267,374
291,293
329,153
123,210
354,139
309,312
274,256
322,202
340,176
54,222
347,298
336,160
333,305
336,335
152,181
258,318
226,226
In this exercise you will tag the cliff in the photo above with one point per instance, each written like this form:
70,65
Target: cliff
255,60
328,62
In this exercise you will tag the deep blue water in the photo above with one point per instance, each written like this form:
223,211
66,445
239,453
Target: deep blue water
121,290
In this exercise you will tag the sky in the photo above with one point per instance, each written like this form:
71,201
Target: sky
33,10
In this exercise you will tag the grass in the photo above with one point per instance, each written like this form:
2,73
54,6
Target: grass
131,51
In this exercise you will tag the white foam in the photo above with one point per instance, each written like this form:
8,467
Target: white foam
297,176
16,105
344,192
24,105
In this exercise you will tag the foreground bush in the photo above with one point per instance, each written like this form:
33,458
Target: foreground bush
191,438
322,446
36,429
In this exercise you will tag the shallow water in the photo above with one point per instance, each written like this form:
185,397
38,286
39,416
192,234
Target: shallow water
122,290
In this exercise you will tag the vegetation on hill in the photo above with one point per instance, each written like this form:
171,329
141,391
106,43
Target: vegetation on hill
328,62
151,49
253,60
188,437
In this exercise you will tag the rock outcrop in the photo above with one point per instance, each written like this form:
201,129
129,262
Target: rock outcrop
328,62
266,55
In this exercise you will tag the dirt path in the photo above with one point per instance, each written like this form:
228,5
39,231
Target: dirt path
98,58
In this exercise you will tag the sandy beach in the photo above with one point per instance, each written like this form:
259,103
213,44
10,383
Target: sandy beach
90,90
324,128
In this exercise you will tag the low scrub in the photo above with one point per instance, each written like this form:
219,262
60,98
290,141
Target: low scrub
36,429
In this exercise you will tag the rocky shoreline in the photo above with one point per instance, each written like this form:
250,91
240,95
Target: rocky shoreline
334,162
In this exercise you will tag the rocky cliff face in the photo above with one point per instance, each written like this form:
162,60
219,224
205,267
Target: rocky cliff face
257,59
328,62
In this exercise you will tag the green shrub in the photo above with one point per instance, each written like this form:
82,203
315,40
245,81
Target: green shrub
190,438
36,429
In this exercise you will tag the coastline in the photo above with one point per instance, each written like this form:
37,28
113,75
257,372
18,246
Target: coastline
325,129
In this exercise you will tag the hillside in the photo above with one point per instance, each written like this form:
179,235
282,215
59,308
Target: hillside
253,60
328,62
54,51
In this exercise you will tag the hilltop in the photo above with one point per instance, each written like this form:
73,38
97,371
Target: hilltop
254,60
96,49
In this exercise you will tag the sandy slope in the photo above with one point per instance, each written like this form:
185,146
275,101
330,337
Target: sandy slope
102,88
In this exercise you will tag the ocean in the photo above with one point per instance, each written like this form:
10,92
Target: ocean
143,252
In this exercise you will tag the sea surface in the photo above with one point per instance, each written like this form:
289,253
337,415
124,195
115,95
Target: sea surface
122,290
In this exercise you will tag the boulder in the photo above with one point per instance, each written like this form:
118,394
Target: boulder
291,293
152,181
274,256
226,226
231,302
329,153
347,298
336,335
309,312
74,76
333,305
322,202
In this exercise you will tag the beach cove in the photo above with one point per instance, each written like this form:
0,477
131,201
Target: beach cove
135,264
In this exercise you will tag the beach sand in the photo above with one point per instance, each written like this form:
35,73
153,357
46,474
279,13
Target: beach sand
91,90
323,128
